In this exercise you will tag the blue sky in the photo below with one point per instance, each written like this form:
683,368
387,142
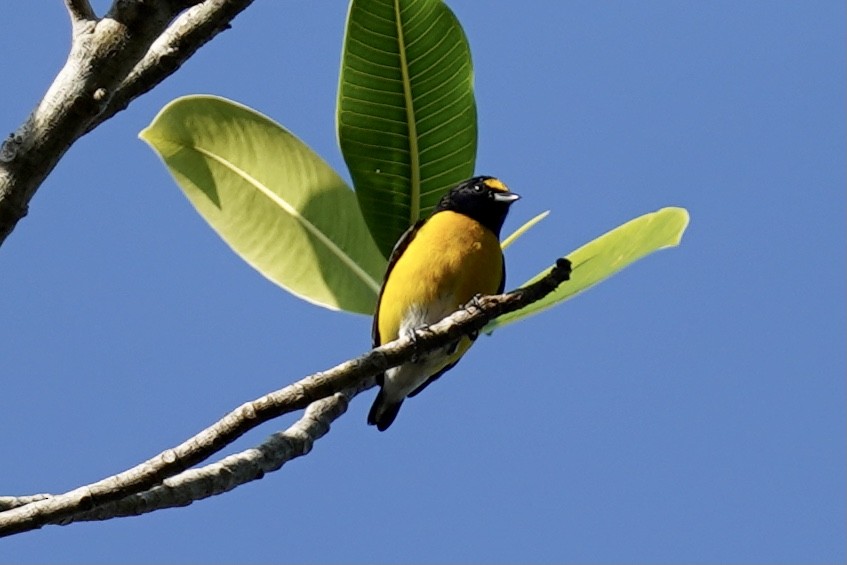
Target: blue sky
691,409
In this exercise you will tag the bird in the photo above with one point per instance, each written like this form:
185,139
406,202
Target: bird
437,266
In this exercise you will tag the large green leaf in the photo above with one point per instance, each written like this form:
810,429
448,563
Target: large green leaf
406,110
606,255
272,199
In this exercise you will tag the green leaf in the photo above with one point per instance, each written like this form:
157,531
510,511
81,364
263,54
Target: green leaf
406,110
606,255
272,199
523,229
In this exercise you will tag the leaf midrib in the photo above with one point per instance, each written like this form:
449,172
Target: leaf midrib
289,209
415,193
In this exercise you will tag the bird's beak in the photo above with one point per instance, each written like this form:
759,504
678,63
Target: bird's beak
507,197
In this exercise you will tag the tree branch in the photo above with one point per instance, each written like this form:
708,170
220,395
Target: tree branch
346,379
80,12
234,470
111,62
189,32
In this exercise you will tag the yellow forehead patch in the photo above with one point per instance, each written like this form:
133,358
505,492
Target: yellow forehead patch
495,184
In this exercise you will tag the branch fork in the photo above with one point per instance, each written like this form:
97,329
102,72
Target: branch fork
112,60
168,479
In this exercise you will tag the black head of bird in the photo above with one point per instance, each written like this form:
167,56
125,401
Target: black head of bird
485,199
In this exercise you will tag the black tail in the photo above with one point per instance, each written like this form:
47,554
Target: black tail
383,411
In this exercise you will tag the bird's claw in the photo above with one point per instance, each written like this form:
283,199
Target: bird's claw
412,334
475,302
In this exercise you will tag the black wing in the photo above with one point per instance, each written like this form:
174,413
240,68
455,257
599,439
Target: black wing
398,250
433,378
502,286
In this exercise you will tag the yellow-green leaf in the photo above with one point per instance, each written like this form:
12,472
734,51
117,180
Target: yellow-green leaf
274,201
523,229
606,255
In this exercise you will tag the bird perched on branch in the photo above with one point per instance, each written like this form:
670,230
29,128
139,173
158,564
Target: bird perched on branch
437,266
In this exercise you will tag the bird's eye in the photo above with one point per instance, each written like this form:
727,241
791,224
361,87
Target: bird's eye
477,188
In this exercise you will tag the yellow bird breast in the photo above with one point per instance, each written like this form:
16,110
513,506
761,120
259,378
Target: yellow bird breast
451,259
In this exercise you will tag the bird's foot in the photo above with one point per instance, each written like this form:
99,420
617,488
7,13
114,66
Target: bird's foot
413,334
475,302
